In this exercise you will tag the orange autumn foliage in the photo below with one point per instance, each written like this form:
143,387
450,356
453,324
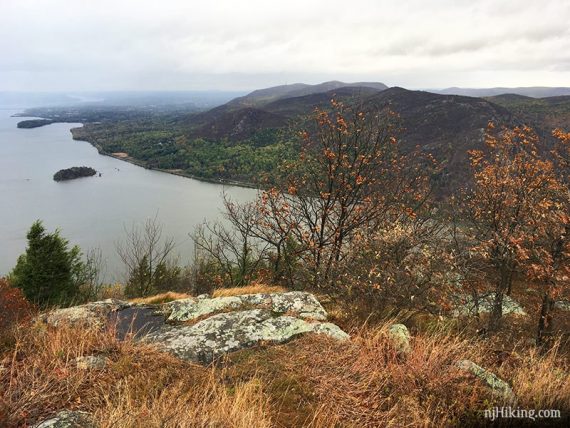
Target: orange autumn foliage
13,305
513,209
351,176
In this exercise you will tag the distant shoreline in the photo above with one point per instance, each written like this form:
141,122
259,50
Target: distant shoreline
131,160
180,173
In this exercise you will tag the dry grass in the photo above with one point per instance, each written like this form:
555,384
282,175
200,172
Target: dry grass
112,291
221,292
210,404
313,381
169,296
317,382
365,384
248,289
541,381
139,386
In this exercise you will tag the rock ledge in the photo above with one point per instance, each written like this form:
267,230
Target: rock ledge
202,329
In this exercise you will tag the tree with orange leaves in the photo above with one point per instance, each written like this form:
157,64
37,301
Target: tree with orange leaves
514,190
350,177
551,261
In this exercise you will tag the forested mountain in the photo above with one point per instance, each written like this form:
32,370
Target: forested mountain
445,125
236,121
542,113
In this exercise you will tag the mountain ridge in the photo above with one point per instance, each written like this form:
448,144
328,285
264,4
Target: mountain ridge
260,97
528,91
447,126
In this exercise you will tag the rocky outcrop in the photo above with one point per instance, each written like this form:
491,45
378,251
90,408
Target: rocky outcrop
227,332
499,387
68,419
465,305
303,305
93,314
399,337
201,329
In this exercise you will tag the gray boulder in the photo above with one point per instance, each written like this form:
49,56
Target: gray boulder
563,305
68,419
227,332
399,336
499,387
91,362
303,305
94,314
465,305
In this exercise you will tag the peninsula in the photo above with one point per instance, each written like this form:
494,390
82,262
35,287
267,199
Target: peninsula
34,123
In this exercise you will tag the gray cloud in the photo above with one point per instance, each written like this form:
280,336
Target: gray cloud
224,44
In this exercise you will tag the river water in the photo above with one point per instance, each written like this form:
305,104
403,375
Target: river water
92,212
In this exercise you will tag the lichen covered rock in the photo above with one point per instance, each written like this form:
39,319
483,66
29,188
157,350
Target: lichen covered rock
216,326
201,328
94,314
301,304
91,362
68,419
400,338
227,332
499,387
465,305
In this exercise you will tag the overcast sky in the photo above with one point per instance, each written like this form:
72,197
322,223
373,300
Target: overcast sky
73,45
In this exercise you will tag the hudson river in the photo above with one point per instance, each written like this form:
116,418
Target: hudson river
92,212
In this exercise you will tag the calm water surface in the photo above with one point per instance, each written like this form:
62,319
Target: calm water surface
91,212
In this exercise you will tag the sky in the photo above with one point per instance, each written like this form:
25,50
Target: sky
104,45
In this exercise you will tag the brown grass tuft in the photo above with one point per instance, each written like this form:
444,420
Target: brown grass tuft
248,289
210,404
318,382
169,296
111,291
366,384
542,381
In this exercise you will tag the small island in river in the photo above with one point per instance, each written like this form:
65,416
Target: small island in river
34,123
74,172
